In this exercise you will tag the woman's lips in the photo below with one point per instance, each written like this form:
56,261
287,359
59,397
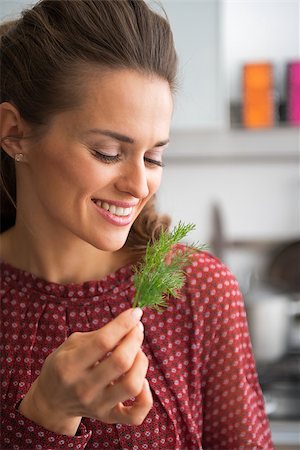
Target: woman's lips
114,214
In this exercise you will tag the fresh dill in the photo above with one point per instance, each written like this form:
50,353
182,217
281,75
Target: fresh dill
161,273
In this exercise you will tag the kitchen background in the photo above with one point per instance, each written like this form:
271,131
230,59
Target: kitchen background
241,185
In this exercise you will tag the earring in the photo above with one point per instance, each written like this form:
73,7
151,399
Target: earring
19,157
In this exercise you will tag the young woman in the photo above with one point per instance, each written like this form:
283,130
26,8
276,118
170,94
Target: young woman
86,105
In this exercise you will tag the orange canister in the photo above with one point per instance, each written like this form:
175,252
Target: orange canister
258,95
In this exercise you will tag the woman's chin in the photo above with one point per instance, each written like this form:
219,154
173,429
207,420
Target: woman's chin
110,245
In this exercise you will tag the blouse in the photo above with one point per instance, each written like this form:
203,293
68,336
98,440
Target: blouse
201,372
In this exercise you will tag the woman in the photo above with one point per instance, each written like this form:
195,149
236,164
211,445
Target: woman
86,107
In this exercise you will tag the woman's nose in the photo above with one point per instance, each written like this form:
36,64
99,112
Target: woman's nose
134,180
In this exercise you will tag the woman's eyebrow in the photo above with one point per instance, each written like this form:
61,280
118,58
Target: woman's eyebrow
121,137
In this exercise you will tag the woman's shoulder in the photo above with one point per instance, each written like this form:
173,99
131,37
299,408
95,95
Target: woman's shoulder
207,266
207,276
202,264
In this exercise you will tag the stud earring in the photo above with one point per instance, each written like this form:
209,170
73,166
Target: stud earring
19,157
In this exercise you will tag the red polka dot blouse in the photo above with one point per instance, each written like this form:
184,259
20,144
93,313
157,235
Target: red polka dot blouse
201,373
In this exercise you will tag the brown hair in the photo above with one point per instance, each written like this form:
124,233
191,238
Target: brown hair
42,54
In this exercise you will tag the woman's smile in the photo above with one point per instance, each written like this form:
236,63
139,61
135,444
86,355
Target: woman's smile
116,215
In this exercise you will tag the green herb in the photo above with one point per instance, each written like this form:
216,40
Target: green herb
161,272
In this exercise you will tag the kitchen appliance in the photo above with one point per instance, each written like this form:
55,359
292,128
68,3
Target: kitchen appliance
268,314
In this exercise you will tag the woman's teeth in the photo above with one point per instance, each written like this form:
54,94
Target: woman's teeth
116,210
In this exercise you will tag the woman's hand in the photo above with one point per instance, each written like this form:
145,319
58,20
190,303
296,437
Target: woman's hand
90,375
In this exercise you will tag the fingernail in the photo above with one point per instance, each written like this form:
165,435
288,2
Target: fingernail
137,313
141,326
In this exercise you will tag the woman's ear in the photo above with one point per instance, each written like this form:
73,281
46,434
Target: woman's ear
12,130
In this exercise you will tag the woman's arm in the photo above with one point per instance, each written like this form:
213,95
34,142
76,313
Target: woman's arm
234,414
20,432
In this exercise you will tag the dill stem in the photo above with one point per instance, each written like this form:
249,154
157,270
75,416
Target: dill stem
137,295
136,301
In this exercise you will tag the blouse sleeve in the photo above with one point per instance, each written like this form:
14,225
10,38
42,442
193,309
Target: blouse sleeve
234,414
20,433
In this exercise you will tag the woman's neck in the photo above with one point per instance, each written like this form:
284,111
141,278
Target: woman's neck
58,262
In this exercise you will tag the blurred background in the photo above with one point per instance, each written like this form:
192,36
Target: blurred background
233,169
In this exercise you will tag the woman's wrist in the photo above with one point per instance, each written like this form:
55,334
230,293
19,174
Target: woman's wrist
35,409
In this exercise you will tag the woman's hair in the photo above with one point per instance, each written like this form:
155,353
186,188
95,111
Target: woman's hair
45,53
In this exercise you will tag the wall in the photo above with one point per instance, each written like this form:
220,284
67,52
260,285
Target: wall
11,8
259,199
196,26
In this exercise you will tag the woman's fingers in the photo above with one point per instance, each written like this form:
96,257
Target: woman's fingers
130,384
95,385
119,361
88,348
135,414
92,385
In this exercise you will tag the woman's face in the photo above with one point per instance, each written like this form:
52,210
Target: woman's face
96,167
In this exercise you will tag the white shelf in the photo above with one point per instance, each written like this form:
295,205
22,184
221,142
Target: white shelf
280,144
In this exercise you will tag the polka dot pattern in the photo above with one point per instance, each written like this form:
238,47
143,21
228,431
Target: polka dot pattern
201,369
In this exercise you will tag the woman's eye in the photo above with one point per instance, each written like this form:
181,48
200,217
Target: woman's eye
105,158
154,162
115,158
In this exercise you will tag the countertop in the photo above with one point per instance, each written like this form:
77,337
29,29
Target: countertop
286,434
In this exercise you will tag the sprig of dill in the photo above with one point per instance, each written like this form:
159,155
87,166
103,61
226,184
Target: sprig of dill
161,273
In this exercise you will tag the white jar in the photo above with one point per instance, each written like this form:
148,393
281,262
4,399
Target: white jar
268,319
